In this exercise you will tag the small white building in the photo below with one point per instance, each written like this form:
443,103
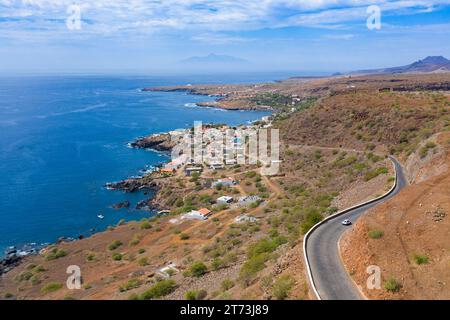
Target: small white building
201,214
225,200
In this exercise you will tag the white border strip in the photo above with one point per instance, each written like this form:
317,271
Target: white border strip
305,239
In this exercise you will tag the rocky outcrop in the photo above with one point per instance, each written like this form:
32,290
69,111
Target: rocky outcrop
9,263
158,142
121,205
132,185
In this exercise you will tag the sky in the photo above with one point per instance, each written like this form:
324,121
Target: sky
153,36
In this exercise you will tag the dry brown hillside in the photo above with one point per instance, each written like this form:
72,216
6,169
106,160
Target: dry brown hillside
396,122
408,237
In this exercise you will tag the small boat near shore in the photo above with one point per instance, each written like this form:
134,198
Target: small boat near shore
100,216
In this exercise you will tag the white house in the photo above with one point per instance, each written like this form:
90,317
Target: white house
225,200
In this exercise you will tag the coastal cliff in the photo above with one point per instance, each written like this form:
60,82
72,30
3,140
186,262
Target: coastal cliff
159,142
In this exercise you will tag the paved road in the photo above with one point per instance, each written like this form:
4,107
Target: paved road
329,275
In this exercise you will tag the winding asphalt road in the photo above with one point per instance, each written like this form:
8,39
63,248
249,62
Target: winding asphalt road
329,276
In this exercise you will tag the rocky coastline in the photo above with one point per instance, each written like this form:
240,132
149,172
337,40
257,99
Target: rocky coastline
158,142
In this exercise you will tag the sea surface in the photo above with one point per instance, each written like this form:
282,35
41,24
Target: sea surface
63,137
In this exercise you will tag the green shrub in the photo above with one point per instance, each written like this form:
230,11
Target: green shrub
90,257
190,295
131,284
145,225
198,269
312,217
375,234
143,261
114,245
35,280
282,287
252,266
265,245
375,173
160,289
392,285
423,152
420,258
55,253
141,251
227,284
135,241
196,295
217,263
25,275
116,256
51,287
184,236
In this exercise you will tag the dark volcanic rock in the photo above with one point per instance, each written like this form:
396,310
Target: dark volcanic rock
9,263
160,142
144,204
124,204
131,185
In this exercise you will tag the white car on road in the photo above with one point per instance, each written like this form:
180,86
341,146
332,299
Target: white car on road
346,222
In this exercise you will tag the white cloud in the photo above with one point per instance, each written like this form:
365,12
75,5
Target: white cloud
200,16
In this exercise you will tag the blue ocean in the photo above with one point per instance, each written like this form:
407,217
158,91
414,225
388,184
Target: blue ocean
63,137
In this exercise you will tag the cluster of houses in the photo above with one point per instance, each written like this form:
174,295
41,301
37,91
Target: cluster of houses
216,159
205,213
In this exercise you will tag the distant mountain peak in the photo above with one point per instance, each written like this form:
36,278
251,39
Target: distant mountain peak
435,59
429,64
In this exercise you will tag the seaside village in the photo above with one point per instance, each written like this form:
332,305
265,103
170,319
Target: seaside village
218,162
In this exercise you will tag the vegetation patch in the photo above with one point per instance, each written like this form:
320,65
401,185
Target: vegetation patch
55,253
282,287
160,289
131,284
392,285
423,152
196,294
375,173
116,256
198,269
51,287
114,245
312,217
376,234
420,258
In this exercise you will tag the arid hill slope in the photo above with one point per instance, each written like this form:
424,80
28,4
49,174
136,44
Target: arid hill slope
412,246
